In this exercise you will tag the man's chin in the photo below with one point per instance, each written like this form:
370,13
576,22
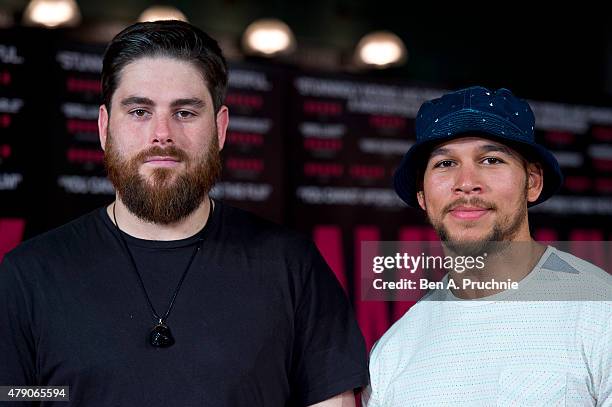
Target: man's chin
470,236
147,170
473,248
159,176
467,241
473,230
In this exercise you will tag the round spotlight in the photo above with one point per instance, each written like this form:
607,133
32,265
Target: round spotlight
268,37
157,13
381,49
52,13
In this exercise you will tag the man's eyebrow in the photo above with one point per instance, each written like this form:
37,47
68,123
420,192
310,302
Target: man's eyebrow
193,102
439,151
137,100
488,148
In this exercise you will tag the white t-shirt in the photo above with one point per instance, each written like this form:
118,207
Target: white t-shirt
502,352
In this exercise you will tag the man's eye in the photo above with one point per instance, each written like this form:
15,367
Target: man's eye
444,164
139,112
492,160
184,114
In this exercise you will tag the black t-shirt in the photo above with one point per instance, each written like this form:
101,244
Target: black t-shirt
260,319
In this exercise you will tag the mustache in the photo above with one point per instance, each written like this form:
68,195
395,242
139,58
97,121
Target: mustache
157,151
478,202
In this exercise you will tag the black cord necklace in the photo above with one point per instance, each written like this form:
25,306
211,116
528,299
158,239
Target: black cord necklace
160,335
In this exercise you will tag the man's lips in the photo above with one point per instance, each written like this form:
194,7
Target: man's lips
469,212
162,160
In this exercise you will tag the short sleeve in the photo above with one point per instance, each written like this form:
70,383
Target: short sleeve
17,366
330,356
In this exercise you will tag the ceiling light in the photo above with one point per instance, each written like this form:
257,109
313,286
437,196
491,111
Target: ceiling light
268,37
52,13
381,49
157,13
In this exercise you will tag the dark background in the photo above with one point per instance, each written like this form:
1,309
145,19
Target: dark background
272,166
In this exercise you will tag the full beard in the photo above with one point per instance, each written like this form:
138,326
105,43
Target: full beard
163,197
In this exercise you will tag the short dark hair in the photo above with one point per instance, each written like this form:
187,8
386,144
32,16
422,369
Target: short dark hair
174,39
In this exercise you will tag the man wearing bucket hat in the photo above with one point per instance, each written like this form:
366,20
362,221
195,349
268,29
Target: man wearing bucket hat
475,169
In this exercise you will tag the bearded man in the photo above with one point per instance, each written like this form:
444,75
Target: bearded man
167,297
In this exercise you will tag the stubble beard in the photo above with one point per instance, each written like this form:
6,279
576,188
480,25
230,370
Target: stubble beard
496,240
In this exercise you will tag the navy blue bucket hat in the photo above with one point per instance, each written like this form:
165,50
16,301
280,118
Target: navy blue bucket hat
498,115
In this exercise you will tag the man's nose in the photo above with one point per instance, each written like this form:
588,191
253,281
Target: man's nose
467,180
161,131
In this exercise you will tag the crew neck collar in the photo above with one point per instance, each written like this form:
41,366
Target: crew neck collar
203,233
501,296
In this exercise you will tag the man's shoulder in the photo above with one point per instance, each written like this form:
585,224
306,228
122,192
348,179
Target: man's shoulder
573,277
560,260
57,241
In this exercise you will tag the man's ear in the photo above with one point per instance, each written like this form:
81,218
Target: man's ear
222,124
103,125
535,181
421,199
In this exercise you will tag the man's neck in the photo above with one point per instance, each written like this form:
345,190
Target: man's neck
513,263
136,227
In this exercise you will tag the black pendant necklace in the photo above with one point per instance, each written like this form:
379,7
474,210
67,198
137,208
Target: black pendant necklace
160,335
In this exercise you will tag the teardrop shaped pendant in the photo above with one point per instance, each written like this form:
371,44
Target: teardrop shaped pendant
161,337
